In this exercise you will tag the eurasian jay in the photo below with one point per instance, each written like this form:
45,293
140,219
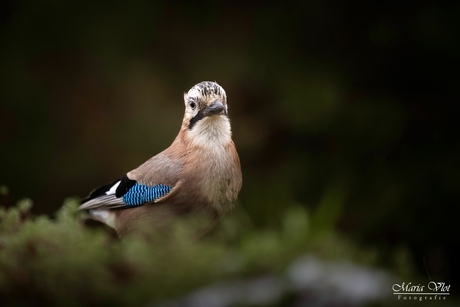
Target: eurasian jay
199,173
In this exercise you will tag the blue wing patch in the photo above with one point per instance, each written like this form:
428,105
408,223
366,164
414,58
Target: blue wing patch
140,194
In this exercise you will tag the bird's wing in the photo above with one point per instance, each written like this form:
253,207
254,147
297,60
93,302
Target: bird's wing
125,193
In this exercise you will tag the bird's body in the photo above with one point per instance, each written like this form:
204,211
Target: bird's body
198,174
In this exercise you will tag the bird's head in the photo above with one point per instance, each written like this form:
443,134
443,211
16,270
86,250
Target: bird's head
206,113
203,101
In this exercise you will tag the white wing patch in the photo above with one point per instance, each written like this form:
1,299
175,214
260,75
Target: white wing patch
113,188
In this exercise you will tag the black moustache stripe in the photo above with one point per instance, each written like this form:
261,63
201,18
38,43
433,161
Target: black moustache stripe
199,116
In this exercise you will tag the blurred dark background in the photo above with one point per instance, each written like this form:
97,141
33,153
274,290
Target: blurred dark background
340,103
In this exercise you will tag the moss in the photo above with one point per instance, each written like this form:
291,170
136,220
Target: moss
60,260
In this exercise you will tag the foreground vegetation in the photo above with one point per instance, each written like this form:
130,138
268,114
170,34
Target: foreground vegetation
61,260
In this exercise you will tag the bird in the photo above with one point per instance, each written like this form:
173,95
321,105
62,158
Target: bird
198,174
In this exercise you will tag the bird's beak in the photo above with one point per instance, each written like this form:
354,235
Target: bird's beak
214,109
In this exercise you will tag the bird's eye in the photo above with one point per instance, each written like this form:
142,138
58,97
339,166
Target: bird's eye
192,105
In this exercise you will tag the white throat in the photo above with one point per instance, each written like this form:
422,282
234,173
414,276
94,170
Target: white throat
211,131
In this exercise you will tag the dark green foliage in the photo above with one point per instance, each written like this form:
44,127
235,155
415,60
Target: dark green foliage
61,260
